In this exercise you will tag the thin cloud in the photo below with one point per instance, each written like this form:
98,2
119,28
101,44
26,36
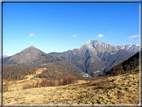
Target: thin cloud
100,35
134,36
74,36
32,34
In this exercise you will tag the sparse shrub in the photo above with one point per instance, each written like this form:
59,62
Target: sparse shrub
37,84
101,77
69,80
59,81
65,81
27,86
44,82
17,72
51,82
5,87
120,72
104,83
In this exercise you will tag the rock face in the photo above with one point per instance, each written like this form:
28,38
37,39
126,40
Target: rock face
94,56
125,67
32,56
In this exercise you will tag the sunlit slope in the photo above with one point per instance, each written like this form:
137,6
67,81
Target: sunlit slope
122,89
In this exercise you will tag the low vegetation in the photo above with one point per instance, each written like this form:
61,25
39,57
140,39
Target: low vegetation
54,72
52,82
5,87
17,72
122,89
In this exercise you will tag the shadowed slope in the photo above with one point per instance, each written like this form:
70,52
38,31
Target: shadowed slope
125,67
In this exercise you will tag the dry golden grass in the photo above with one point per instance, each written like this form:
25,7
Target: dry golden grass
39,71
5,87
52,82
112,90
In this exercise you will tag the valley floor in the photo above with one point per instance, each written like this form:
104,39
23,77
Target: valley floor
122,89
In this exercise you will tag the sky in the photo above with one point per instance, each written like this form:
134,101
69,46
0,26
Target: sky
58,27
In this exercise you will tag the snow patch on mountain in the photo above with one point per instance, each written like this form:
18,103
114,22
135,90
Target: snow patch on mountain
137,44
89,42
94,45
130,47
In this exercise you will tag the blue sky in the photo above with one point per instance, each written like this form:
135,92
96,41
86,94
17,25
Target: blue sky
58,27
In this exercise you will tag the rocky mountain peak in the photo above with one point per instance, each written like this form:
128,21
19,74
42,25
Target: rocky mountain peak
32,46
89,42
98,46
31,49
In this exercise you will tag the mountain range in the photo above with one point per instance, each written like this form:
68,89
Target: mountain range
130,47
32,56
94,57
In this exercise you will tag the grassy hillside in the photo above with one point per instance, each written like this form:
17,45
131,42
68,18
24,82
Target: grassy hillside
54,71
121,89
17,72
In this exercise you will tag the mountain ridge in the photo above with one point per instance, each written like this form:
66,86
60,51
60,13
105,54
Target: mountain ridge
32,56
130,47
94,56
119,46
